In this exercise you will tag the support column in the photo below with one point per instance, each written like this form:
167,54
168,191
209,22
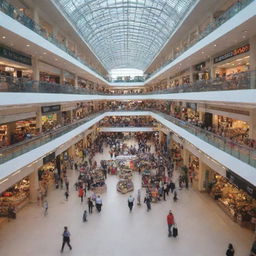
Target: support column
62,77
185,156
33,186
191,78
76,81
35,15
201,176
212,69
252,124
11,129
39,119
35,69
253,62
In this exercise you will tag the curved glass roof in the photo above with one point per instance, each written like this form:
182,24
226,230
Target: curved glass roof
125,33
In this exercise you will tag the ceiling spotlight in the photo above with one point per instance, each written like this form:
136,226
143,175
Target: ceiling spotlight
3,37
244,36
27,45
56,59
215,45
245,31
44,53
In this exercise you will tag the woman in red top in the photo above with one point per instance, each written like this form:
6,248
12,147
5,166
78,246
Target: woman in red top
170,222
81,194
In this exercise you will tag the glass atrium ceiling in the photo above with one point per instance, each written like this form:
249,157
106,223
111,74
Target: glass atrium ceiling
125,33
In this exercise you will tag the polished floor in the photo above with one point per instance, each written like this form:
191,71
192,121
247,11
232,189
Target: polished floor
204,229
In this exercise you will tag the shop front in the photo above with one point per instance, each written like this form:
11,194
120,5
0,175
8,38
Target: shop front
51,117
201,71
232,62
14,132
46,175
237,130
235,196
15,64
193,170
14,198
79,149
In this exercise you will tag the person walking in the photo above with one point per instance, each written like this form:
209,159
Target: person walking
98,203
172,186
81,194
164,191
147,200
175,195
139,197
90,204
130,202
67,184
230,251
45,207
170,222
66,239
85,216
66,195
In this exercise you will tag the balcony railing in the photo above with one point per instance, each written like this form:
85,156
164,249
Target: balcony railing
232,11
239,81
19,16
242,152
27,145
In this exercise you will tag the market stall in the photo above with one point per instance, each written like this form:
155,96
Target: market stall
125,186
98,185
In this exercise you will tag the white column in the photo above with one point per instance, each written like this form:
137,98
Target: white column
212,68
35,15
201,176
76,81
35,69
33,186
185,156
253,62
191,79
252,124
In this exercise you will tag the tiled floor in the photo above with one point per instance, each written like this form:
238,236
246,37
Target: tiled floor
204,229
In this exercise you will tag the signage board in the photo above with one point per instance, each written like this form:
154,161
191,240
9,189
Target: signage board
49,158
13,55
241,183
50,109
232,53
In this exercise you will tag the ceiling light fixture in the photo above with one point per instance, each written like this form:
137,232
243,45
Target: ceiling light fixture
28,45
3,37
215,45
44,53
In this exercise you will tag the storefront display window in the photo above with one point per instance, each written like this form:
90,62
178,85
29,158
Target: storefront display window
15,197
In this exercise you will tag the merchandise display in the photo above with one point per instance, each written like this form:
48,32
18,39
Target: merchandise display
98,185
125,185
237,204
46,176
15,197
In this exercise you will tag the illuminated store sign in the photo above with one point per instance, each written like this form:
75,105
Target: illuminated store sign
232,53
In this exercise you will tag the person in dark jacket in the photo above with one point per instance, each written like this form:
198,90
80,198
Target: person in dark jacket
230,251
90,204
147,200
